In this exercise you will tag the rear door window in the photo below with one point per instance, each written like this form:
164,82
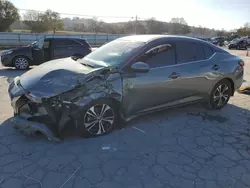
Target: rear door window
66,42
188,51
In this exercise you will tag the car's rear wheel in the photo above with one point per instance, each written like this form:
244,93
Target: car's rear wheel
21,63
98,118
220,94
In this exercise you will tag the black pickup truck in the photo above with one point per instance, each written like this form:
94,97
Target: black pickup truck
43,50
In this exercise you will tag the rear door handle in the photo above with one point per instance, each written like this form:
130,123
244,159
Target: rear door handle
174,75
216,67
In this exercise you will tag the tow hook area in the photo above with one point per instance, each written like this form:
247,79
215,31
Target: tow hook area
22,123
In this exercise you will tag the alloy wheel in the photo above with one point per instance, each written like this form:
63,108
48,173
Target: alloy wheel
21,63
221,95
99,119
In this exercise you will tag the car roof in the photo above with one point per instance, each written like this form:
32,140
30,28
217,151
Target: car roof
73,38
148,38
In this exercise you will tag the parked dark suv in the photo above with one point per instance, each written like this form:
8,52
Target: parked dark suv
218,40
239,44
44,50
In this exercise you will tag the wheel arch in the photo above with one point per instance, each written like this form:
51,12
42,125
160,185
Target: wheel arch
17,56
231,82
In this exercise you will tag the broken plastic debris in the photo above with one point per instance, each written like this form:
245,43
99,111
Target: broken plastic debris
106,148
138,129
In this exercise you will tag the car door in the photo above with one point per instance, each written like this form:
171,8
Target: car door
75,48
62,48
152,90
194,67
38,52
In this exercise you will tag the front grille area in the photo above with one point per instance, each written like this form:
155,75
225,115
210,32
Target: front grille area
25,106
20,103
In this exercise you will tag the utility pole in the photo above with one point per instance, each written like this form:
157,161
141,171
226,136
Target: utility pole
136,19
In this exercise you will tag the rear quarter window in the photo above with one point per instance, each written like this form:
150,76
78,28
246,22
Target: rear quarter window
84,42
208,51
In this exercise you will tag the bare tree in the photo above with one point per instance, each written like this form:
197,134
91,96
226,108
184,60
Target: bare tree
179,26
34,20
96,25
155,27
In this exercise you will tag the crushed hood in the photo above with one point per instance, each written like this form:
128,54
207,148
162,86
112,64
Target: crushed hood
55,77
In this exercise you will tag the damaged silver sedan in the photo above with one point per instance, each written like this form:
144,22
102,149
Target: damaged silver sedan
121,80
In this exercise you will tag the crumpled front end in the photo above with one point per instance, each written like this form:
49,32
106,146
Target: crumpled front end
50,113
47,115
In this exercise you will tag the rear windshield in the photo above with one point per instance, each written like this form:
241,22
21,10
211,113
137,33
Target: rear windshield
84,42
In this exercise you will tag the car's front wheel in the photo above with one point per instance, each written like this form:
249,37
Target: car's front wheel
98,118
21,63
220,94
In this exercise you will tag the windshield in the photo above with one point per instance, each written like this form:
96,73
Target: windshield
235,40
112,53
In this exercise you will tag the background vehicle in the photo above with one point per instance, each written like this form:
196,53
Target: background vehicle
125,78
44,50
239,44
218,40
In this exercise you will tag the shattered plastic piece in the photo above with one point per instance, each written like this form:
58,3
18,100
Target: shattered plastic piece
138,129
106,148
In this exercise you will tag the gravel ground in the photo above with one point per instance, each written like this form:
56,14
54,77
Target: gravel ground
184,147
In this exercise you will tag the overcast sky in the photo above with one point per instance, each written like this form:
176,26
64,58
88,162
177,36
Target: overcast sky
218,14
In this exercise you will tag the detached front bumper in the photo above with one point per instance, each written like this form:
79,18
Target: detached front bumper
25,124
6,60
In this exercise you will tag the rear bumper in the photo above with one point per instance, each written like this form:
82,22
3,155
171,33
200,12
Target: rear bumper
22,123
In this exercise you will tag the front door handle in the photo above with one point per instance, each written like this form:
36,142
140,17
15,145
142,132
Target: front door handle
174,75
216,67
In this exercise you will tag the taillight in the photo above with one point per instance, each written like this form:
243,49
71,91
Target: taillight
241,63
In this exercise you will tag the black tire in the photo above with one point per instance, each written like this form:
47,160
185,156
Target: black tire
238,47
220,95
21,63
84,121
77,56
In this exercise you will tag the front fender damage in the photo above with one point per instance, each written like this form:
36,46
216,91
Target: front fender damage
66,106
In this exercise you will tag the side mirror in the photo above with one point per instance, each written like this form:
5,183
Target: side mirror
140,67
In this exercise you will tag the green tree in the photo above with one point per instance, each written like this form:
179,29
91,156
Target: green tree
8,14
42,22
52,20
